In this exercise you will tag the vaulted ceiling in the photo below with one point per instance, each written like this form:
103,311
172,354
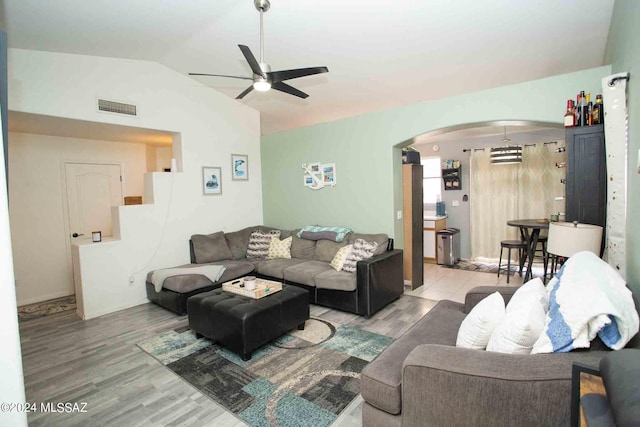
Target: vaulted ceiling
379,54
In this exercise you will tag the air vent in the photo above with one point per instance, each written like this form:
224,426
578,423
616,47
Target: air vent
117,107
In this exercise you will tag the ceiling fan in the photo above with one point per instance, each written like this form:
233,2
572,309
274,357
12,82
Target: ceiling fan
263,78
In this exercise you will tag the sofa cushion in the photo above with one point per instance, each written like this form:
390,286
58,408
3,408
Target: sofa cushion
381,380
326,250
305,272
259,242
210,248
190,282
361,250
279,248
275,267
381,239
302,248
337,280
238,242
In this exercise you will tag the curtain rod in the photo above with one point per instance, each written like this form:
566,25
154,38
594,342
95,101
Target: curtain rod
466,150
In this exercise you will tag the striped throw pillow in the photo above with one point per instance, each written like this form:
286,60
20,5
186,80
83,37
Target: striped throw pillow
259,243
361,250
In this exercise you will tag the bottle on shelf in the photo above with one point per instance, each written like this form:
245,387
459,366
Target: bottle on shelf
570,116
598,111
587,110
578,109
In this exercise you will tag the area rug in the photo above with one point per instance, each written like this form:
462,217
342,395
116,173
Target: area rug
46,308
304,378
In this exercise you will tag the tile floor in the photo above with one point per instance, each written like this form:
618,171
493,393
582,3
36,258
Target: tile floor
441,282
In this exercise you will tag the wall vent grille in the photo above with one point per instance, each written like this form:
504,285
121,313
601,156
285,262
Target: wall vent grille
117,107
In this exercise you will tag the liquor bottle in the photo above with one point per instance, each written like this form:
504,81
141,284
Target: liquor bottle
598,112
578,109
587,109
570,116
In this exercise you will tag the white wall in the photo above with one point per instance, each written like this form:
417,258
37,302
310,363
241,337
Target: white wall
12,389
211,127
36,209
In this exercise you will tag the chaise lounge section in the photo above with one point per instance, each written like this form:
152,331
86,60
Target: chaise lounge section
377,281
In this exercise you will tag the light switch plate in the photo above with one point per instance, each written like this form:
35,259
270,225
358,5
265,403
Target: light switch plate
455,203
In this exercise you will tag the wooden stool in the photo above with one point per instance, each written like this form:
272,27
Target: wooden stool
512,244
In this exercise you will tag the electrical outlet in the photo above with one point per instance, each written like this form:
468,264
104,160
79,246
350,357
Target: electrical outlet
399,215
455,203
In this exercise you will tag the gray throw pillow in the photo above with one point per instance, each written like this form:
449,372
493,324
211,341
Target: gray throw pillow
210,248
361,250
259,243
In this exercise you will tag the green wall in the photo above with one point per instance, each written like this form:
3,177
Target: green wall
365,151
623,53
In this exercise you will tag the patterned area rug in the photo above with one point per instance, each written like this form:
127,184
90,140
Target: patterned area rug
478,266
46,308
304,378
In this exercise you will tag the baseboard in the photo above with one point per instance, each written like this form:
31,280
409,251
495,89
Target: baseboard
99,313
44,298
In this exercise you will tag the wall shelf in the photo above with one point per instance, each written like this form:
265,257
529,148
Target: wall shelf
452,178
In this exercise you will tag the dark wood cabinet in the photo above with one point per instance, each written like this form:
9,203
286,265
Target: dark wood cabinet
586,195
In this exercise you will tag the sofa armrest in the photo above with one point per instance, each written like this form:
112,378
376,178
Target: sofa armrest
455,386
379,281
475,295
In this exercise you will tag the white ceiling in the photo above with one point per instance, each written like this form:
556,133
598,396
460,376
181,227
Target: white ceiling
379,54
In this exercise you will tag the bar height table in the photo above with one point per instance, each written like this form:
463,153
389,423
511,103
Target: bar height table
530,232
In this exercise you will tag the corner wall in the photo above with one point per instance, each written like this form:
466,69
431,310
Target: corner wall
622,52
211,127
365,150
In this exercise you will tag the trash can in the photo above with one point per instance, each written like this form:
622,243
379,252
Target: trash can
448,242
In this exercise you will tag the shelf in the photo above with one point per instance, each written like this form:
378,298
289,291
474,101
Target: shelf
451,178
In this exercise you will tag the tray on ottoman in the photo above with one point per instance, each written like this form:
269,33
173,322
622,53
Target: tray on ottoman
263,288
243,324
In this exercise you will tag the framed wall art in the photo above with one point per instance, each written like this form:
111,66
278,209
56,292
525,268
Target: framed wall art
211,180
239,167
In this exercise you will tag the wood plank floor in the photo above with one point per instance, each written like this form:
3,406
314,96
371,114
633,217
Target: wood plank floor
96,361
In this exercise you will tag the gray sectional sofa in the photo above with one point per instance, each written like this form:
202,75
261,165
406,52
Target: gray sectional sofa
423,379
377,281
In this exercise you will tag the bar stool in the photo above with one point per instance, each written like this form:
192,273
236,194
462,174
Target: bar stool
509,245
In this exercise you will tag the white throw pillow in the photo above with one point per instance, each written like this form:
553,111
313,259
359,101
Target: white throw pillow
519,329
477,327
533,289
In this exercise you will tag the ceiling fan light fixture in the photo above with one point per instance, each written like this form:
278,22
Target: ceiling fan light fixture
261,85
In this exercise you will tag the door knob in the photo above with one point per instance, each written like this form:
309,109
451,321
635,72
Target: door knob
76,235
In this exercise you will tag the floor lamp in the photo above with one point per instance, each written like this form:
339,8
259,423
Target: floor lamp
567,238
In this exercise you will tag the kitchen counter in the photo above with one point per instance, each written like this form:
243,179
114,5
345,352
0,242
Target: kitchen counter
434,217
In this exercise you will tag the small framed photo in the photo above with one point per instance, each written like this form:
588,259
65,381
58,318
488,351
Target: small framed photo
315,168
308,180
211,180
329,174
239,167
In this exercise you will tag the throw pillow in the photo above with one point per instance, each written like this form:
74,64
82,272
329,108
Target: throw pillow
519,329
477,327
210,248
280,248
361,250
259,243
532,290
341,256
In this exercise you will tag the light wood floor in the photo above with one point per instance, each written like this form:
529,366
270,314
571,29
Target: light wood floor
96,361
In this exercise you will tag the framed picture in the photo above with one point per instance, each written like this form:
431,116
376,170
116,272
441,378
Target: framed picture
239,167
211,180
308,180
329,174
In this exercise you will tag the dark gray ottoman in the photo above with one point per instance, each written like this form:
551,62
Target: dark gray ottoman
243,324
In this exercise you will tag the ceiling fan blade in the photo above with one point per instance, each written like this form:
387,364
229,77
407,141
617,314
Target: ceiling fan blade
245,92
220,75
255,67
279,76
283,87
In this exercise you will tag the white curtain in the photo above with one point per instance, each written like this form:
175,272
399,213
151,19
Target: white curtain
500,193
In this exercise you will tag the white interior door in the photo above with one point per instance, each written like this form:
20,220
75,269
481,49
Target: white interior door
92,189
